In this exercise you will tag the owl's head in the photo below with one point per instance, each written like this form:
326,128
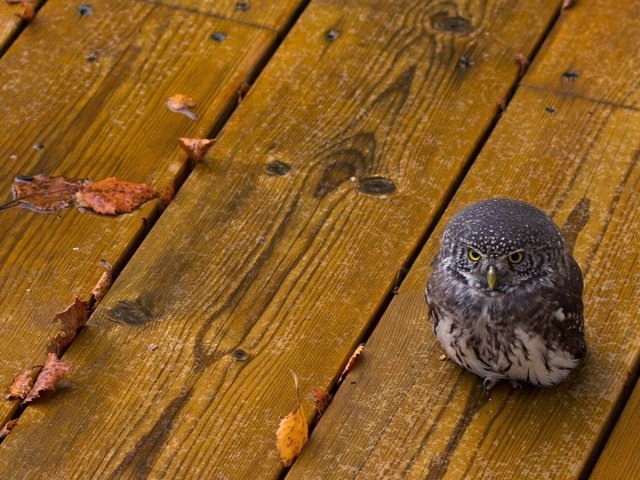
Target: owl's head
498,244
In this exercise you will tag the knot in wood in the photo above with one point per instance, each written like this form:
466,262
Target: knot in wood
451,24
277,168
85,10
377,186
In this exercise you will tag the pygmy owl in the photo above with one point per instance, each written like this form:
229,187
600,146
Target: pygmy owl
505,295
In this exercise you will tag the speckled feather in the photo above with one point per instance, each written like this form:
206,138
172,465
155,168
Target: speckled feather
529,327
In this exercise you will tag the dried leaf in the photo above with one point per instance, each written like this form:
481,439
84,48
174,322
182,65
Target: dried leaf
243,90
43,193
523,63
183,104
66,325
28,11
568,4
4,431
112,196
356,353
196,148
166,196
293,431
322,399
21,385
53,370
102,287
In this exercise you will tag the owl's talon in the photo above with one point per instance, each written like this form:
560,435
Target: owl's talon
488,384
515,383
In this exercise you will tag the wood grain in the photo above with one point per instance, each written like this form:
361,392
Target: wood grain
9,23
593,53
280,248
621,456
86,97
407,414
275,15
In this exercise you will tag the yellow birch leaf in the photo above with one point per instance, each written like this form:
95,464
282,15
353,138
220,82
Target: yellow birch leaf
293,432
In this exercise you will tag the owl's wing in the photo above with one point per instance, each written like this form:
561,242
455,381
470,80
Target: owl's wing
568,296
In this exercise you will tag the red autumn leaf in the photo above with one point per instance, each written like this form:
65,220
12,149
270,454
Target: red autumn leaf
4,431
66,325
196,148
181,103
322,399
112,196
43,193
21,385
104,283
53,370
352,360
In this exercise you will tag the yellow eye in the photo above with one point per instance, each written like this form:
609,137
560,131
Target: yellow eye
473,255
516,257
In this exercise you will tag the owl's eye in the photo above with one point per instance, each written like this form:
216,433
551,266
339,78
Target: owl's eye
516,258
473,255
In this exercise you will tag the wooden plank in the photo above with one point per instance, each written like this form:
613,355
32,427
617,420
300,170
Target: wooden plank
593,53
264,13
621,456
9,23
280,248
407,414
92,92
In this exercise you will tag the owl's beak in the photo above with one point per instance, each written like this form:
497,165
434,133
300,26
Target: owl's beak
492,276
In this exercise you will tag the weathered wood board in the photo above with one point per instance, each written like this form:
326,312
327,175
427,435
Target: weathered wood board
621,456
9,23
405,413
280,248
593,53
275,15
85,96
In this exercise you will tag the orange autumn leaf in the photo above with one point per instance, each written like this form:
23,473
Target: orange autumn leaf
352,360
181,103
66,325
28,11
113,196
4,431
292,432
196,148
104,283
53,370
322,399
21,385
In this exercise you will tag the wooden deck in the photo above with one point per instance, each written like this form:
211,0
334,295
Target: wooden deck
309,228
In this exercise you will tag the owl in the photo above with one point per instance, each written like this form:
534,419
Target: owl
505,295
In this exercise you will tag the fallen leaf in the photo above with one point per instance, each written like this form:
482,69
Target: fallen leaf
28,11
66,325
183,104
293,431
113,196
196,148
356,353
166,196
322,399
568,4
43,193
243,90
4,431
103,285
21,385
53,370
523,63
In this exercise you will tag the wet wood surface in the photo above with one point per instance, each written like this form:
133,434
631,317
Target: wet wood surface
621,456
97,108
275,15
408,414
281,247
